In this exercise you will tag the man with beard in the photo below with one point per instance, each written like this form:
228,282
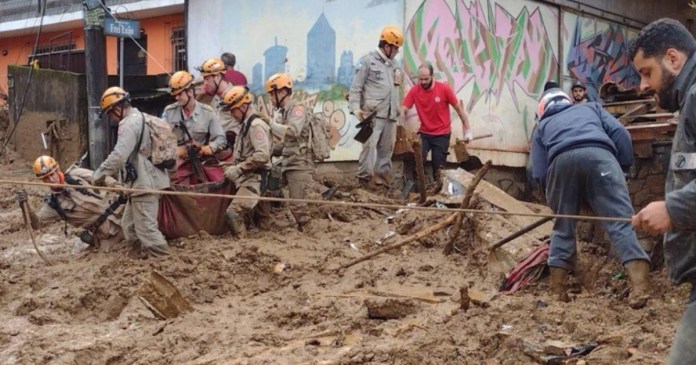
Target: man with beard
663,54
579,92
578,153
432,100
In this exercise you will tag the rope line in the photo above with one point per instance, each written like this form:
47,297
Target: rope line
321,202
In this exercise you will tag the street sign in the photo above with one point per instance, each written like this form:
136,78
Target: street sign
122,28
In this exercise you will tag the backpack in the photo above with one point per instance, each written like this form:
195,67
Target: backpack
162,143
319,129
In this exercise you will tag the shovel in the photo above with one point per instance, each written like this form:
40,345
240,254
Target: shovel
500,260
162,298
365,128
460,152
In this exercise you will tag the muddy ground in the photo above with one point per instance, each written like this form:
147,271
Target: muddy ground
274,298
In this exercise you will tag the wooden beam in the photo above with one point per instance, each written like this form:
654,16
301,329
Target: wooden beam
651,131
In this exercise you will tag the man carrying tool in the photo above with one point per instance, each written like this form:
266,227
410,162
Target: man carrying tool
432,100
197,130
579,152
131,157
252,157
78,206
663,54
291,127
375,88
579,92
215,85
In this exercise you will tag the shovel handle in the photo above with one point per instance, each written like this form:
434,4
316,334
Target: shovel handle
519,233
459,140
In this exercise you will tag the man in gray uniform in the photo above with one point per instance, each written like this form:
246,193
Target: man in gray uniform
131,155
215,85
375,87
663,54
189,117
580,153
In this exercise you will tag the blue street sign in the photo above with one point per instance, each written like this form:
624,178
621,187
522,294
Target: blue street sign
122,28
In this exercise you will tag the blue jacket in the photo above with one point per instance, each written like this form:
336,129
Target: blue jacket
566,127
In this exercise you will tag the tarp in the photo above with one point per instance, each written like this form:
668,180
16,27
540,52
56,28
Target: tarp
529,270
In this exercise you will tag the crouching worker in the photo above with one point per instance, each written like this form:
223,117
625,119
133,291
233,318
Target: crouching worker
252,157
131,158
578,153
79,207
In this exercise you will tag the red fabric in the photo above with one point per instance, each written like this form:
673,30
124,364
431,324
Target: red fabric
184,216
433,107
235,77
185,176
529,270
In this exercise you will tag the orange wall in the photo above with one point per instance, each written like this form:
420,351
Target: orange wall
159,46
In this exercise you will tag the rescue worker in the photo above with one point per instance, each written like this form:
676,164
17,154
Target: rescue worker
130,157
580,153
579,92
375,87
252,156
290,126
78,207
189,117
214,84
664,53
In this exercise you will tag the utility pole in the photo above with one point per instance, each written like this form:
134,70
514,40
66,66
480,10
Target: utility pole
95,72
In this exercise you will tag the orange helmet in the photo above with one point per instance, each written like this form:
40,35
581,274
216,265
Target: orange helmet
278,82
235,97
392,35
180,81
212,66
44,166
112,97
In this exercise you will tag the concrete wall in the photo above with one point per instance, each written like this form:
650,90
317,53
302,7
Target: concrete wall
52,96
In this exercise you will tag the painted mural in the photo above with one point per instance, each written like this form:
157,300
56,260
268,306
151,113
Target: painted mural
597,53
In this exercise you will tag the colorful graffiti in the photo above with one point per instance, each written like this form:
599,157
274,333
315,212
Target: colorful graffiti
493,49
599,58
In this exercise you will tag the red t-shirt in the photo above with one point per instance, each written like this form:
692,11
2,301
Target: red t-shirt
433,107
235,77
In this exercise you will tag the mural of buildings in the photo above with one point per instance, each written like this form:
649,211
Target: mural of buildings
257,80
346,70
275,58
321,54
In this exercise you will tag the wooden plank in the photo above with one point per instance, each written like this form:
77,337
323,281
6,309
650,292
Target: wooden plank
651,131
630,115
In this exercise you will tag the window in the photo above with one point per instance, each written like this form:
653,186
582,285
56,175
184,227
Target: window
179,49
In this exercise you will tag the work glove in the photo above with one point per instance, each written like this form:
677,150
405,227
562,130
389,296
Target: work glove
21,196
232,173
100,181
205,150
182,152
468,136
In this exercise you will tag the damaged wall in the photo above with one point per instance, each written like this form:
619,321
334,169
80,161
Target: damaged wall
56,105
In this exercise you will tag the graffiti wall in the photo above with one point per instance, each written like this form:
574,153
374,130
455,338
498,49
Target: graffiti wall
595,53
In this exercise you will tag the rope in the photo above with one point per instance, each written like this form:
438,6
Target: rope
321,202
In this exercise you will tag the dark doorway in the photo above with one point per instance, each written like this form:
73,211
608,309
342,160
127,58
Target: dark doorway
135,59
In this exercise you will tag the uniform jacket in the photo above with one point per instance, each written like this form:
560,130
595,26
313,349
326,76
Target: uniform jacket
129,131
680,184
227,122
252,150
202,124
374,87
296,153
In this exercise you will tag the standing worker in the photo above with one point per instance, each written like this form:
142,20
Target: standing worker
231,75
432,100
252,157
130,157
663,54
375,88
290,125
215,85
580,153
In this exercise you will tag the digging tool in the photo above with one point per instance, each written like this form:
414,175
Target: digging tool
500,260
420,171
162,298
365,128
460,151
27,222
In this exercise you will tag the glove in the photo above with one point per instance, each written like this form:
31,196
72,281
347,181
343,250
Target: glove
468,136
100,181
21,196
181,152
205,150
232,173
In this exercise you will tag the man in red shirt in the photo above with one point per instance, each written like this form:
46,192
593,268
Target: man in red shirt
432,100
231,75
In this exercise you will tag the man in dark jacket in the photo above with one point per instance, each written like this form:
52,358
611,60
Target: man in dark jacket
578,153
663,54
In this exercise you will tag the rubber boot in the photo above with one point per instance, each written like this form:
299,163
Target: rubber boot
558,280
638,271
235,224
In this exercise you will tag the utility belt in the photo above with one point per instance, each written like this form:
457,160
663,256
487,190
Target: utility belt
87,236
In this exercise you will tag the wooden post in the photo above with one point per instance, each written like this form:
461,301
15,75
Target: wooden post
420,170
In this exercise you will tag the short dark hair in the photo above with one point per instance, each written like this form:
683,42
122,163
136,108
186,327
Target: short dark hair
229,59
659,36
550,85
428,66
